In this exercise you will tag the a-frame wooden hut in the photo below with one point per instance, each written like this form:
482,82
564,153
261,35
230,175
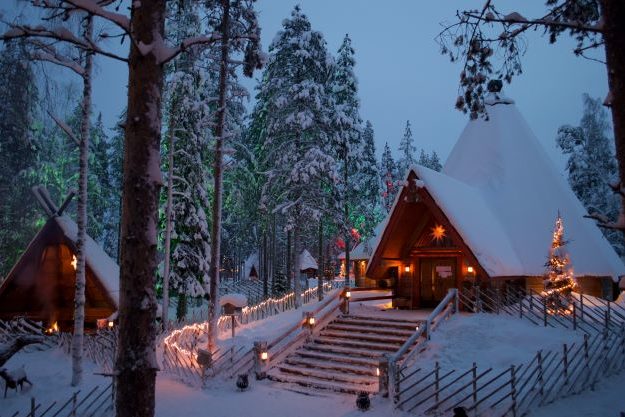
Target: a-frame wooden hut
41,284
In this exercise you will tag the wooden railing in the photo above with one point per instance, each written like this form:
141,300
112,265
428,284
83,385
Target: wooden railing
393,367
290,339
180,350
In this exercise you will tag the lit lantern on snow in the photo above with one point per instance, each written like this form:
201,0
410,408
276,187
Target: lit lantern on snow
264,355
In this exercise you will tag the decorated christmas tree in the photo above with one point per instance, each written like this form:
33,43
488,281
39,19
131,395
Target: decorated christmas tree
559,281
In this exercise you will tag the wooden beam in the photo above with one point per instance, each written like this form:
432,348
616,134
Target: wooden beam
66,202
42,202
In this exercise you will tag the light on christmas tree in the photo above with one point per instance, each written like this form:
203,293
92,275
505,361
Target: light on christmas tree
559,281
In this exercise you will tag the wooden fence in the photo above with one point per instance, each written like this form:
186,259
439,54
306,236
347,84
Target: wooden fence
98,402
100,347
513,391
589,314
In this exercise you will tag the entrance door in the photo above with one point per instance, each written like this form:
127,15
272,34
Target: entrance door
438,275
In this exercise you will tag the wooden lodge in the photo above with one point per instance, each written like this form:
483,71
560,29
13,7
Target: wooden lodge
487,219
41,284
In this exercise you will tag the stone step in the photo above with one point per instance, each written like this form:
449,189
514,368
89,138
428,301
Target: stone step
335,357
350,342
297,360
312,382
398,340
326,374
370,330
356,321
343,350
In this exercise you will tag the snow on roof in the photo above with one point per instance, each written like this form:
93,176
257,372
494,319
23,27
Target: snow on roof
501,161
475,222
237,300
251,262
306,261
102,266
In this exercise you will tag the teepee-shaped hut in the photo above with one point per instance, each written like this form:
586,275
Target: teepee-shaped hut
41,284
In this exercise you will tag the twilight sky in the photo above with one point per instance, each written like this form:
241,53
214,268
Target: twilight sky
402,75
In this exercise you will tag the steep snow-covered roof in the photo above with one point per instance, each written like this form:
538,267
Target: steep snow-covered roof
103,267
474,220
506,171
306,261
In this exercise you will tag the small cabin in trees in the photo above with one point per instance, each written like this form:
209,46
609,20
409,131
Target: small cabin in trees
487,219
41,284
307,264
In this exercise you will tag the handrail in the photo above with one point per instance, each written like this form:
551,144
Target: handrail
451,295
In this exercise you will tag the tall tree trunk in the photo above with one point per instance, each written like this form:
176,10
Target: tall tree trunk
296,266
613,12
136,351
168,224
288,273
320,259
273,252
264,268
81,276
347,228
213,306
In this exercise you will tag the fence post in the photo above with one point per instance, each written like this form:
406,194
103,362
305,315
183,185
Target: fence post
586,357
541,381
531,301
474,383
74,402
513,390
605,350
574,317
544,311
436,380
261,356
606,320
477,307
521,307
565,363
456,301
581,305
383,375
32,407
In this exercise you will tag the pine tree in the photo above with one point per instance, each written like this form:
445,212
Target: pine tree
189,90
407,151
18,153
435,162
591,165
368,179
388,176
350,145
559,280
115,166
299,125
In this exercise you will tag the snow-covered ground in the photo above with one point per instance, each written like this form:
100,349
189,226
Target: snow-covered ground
489,340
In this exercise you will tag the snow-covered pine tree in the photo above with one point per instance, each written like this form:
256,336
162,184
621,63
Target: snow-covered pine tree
350,146
116,162
188,120
18,153
368,180
388,178
591,165
559,280
407,151
430,161
435,162
300,114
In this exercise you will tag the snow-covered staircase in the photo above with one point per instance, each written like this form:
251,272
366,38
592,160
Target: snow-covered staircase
344,356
